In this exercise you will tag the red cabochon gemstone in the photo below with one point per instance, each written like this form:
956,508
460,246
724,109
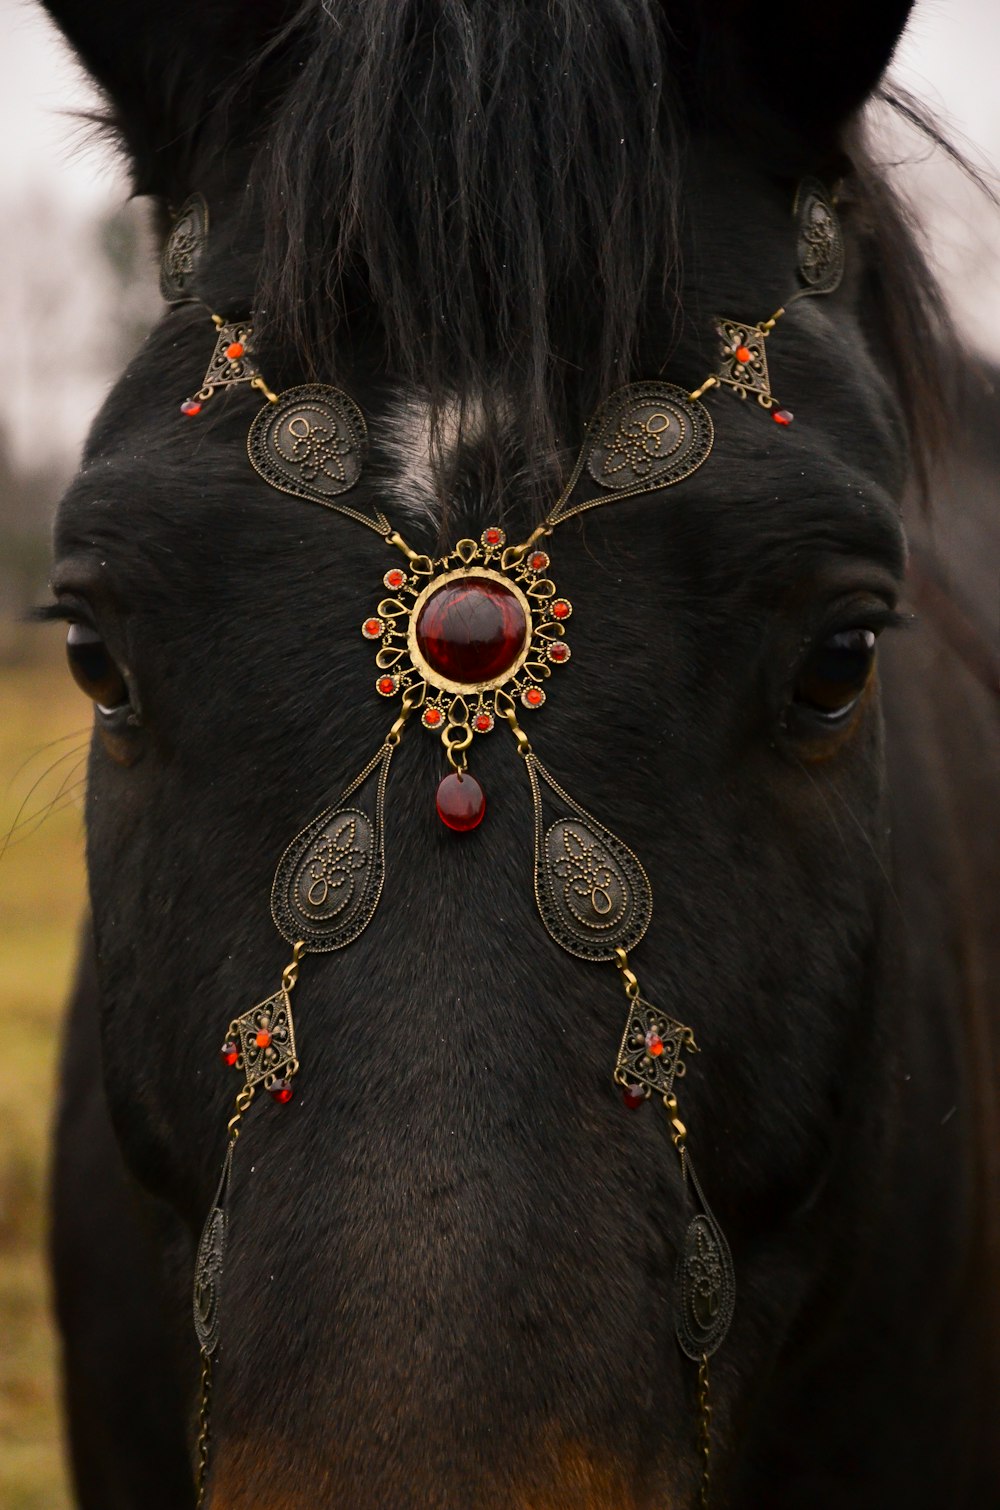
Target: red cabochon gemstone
234,350
743,355
471,630
461,802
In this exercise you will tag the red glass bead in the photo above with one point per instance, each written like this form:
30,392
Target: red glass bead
743,355
394,578
533,697
282,1091
372,628
654,1043
229,1053
561,609
471,630
386,685
263,1039
633,1096
190,407
539,561
558,652
234,351
432,718
782,416
461,802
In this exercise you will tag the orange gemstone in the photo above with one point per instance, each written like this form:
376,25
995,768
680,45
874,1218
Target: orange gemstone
654,1043
483,723
493,536
263,1039
372,628
394,578
386,685
561,609
539,561
234,351
743,355
432,717
534,697
782,416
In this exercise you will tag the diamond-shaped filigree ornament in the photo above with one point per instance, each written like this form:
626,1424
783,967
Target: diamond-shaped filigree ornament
266,1038
225,369
743,364
657,1071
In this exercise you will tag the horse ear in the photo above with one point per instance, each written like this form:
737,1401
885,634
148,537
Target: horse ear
163,66
817,61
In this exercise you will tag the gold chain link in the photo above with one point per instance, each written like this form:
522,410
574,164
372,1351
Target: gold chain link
204,1409
704,1431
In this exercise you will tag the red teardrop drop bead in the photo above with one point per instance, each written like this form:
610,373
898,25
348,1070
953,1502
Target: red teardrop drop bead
471,630
461,802
229,1053
282,1092
633,1096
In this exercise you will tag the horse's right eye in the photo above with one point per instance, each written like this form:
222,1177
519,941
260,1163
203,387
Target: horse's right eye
94,669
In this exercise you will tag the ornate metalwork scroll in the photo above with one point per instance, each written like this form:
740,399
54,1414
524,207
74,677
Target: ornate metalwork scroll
311,443
208,1268
329,880
592,893
820,243
183,249
651,1049
705,1285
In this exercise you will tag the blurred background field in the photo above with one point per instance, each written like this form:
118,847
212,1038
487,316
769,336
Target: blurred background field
43,729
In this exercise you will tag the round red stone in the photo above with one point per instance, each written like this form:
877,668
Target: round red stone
282,1092
394,578
263,1039
229,1053
234,351
534,697
386,686
782,416
483,723
633,1096
743,354
539,561
654,1043
493,537
561,609
461,802
190,407
471,630
432,717
558,651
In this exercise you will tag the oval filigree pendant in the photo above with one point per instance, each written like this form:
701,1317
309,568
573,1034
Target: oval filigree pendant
705,1285
593,895
329,880
311,443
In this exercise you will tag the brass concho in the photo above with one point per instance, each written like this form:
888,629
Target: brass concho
311,443
208,1279
657,1072
182,250
329,880
648,436
820,240
705,1288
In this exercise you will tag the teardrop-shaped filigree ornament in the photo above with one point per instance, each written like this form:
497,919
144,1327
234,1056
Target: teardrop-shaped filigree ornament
311,443
645,437
705,1282
209,1263
592,893
329,880
820,244
183,250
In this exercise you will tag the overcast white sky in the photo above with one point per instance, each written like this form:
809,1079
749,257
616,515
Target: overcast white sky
950,58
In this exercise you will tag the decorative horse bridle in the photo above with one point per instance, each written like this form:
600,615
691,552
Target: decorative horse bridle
466,641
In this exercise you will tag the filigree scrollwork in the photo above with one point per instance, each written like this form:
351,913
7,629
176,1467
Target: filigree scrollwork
820,243
311,443
208,1279
232,360
647,436
265,1037
743,364
592,893
329,880
705,1282
651,1049
183,249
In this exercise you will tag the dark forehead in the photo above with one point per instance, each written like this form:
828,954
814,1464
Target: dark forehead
828,485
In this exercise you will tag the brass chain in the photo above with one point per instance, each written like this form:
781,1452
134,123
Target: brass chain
204,1411
704,1431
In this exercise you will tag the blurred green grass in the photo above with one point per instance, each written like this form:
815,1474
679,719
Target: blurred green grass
44,723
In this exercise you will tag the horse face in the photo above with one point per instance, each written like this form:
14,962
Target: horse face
456,1236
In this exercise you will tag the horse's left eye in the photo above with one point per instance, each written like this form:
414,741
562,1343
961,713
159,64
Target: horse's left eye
836,673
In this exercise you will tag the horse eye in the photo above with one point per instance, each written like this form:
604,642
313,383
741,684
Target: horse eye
93,668
836,673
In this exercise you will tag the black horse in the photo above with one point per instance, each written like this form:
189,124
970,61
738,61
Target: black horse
449,1276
